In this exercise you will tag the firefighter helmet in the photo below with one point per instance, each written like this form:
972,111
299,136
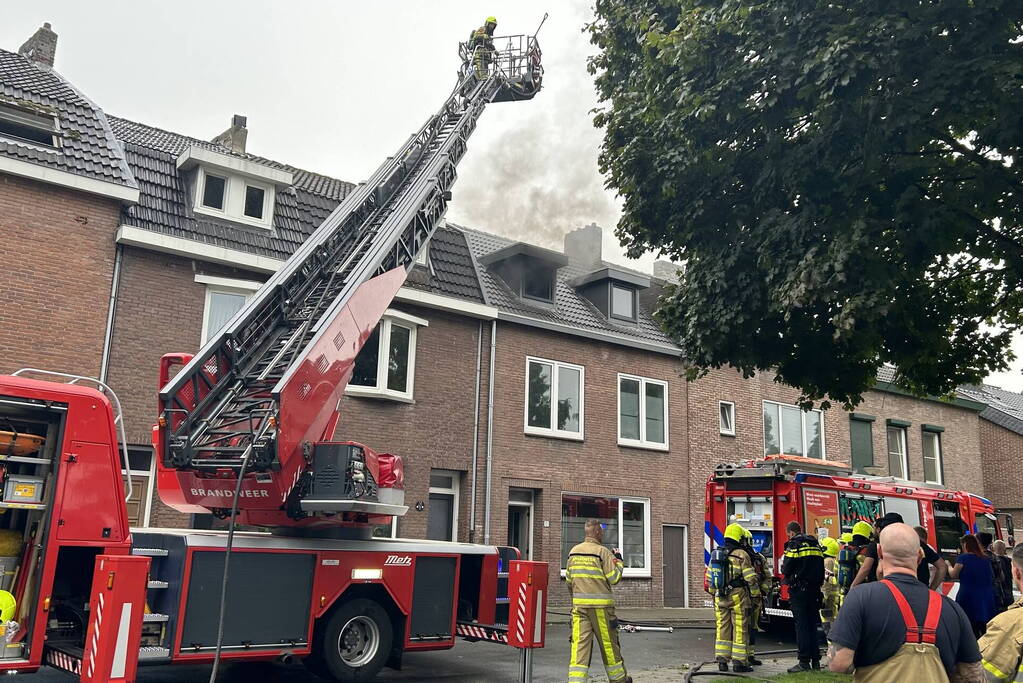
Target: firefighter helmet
830,546
862,529
735,532
491,20
846,537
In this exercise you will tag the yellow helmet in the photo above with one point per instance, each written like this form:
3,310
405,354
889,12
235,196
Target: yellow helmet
491,20
735,532
846,537
8,606
747,534
830,546
862,529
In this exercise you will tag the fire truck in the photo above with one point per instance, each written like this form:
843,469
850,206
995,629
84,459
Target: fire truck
245,429
826,498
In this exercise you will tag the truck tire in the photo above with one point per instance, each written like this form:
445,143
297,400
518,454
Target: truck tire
354,643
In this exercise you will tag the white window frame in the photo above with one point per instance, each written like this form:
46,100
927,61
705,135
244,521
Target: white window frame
223,285
456,483
904,431
939,456
553,431
611,303
731,411
628,572
234,198
802,428
411,323
642,441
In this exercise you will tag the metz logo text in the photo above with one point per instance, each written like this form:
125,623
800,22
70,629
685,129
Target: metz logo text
398,561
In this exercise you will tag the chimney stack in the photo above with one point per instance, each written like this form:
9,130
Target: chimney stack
583,246
41,48
666,270
234,137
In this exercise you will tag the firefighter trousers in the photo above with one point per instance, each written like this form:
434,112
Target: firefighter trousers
600,624
732,622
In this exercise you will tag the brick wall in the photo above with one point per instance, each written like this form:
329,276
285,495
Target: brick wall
597,465
1002,465
57,251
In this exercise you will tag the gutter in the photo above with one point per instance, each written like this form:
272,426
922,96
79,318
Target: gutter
475,435
111,308
490,433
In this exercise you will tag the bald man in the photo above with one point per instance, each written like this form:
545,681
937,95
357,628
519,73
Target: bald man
877,632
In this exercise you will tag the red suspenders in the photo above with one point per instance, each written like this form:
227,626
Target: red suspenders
929,632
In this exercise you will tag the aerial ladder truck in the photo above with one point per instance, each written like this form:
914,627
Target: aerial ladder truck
246,430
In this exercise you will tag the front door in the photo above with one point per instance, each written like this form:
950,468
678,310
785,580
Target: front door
520,521
675,580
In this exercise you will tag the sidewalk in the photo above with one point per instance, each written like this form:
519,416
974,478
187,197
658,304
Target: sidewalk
665,616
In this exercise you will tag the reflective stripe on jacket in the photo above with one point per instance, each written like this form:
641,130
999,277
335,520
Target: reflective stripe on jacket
1002,645
592,570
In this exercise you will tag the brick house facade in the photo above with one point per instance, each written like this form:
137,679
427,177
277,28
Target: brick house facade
583,411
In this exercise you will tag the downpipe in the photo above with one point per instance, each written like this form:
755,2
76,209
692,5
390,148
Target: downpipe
115,283
475,436
490,433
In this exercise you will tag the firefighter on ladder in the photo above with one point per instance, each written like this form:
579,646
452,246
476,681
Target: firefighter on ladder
481,45
592,570
733,582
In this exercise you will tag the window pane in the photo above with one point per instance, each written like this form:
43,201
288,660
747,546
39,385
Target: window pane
397,363
213,192
223,306
575,510
441,481
791,430
727,418
623,302
441,517
628,399
896,450
862,442
932,457
538,405
568,399
813,435
772,437
633,534
254,201
655,413
538,286
365,374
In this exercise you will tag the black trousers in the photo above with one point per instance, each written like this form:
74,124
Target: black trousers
806,605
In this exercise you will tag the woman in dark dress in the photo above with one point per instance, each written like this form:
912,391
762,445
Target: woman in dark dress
976,584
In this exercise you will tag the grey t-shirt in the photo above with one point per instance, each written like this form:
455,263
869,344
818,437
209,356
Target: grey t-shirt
870,623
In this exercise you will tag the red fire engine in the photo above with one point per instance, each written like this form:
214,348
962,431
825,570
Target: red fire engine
244,431
826,498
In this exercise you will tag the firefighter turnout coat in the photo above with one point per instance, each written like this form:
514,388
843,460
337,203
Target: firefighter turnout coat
732,610
1002,645
592,570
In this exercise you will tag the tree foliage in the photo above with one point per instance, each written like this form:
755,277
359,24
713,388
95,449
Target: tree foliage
841,180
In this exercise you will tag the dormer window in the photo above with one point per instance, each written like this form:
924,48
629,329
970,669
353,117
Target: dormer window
234,188
529,271
613,291
24,125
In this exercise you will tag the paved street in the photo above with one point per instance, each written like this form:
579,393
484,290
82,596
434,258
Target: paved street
650,657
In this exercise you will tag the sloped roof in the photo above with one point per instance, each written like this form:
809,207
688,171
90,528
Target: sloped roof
88,147
1004,407
569,309
449,269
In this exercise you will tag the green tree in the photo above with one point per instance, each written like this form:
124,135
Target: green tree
841,180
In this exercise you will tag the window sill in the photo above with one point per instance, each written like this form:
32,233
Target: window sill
727,433
643,445
223,215
550,434
382,394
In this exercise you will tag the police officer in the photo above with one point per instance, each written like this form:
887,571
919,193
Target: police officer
1002,645
803,569
592,570
733,600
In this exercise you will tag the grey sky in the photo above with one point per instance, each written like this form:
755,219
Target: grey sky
335,87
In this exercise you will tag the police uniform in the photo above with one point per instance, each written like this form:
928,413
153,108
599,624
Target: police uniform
592,570
732,610
803,568
1002,645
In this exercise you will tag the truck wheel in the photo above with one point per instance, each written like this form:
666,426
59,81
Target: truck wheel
355,642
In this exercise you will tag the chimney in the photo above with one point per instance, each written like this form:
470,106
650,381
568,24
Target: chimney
583,245
41,47
666,270
234,137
